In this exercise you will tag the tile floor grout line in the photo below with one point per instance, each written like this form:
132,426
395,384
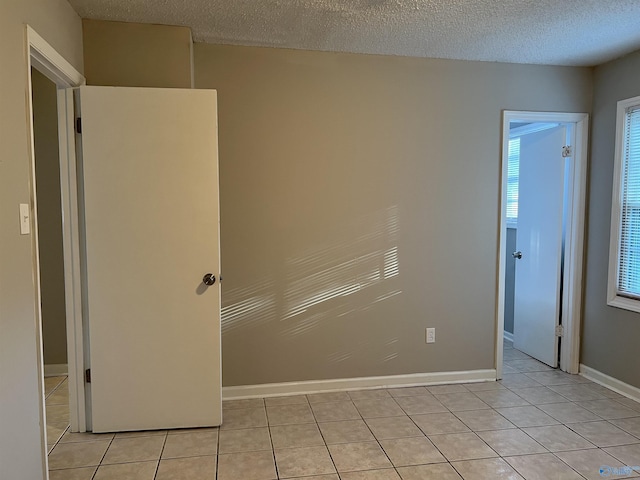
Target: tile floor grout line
273,450
326,445
164,443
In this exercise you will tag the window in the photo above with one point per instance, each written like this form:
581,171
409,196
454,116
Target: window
513,170
624,258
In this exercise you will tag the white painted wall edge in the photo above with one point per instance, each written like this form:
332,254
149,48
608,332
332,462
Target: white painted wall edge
56,369
362,383
508,336
611,383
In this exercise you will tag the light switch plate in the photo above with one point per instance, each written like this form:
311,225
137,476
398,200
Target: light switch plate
25,219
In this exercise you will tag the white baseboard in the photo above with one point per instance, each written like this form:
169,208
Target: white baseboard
56,369
507,336
614,384
362,383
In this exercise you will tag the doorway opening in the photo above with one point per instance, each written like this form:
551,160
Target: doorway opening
541,241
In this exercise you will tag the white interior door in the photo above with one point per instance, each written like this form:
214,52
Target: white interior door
539,239
150,185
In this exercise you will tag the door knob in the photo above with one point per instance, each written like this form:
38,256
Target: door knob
209,279
517,255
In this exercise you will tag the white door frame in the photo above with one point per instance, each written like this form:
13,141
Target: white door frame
50,63
574,237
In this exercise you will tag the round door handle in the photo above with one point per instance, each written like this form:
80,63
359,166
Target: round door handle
209,279
517,255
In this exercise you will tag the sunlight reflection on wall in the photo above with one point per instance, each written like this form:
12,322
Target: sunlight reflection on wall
335,280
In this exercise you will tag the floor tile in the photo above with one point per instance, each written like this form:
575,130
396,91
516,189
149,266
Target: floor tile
243,440
351,457
526,416
180,431
529,365
301,435
632,404
85,473
333,476
518,380
386,407
377,394
411,451
57,415
457,402
386,474
462,446
141,433
70,437
513,354
501,398
629,425
407,391
247,466
608,409
478,420
539,395
576,392
629,454
190,468
242,403
393,427
191,444
553,378
592,464
511,442
506,369
568,412
557,438
136,449
59,397
335,411
436,423
74,455
328,397
544,466
302,462
128,471
420,404
483,386
289,414
441,389
438,471
603,434
244,418
290,400
486,469
347,431
51,383
604,391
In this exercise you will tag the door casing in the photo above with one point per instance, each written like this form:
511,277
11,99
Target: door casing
574,240
42,56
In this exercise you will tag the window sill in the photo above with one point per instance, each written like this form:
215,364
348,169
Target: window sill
624,303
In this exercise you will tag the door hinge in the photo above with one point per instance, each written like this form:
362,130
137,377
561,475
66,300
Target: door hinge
559,331
79,125
567,151
87,375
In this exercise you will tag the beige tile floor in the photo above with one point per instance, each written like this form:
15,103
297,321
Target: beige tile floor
56,393
536,424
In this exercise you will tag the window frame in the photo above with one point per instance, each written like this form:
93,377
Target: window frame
614,298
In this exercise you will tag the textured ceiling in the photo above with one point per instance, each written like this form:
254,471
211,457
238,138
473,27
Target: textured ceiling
556,32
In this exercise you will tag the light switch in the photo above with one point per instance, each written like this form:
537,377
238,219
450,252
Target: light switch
25,219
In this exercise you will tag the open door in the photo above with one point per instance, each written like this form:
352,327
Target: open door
539,244
149,183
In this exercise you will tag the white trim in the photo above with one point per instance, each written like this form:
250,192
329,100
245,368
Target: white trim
611,383
42,56
530,128
56,369
574,245
508,336
362,383
613,299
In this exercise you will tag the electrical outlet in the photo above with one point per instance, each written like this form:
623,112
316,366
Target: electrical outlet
431,335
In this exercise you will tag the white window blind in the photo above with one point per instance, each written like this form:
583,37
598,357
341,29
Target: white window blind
629,246
513,171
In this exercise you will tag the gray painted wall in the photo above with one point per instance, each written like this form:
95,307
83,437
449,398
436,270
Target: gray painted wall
610,335
45,127
359,205
510,280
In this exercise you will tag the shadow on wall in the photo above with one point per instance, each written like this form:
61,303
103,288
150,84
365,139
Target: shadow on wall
323,283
